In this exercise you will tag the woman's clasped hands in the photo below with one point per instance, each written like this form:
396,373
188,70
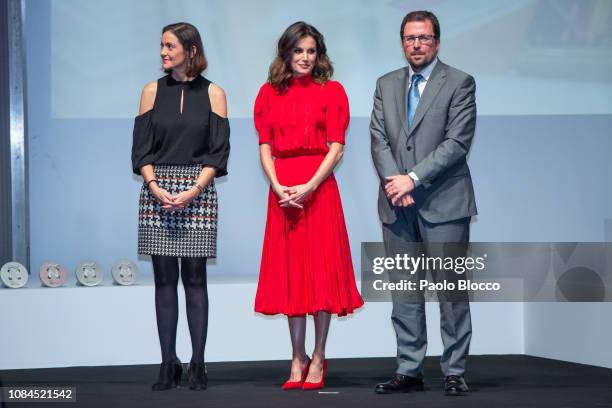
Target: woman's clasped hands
293,196
170,202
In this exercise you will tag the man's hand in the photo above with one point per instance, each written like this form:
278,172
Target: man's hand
403,201
398,186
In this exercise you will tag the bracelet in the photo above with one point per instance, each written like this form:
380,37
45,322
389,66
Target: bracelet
150,181
199,187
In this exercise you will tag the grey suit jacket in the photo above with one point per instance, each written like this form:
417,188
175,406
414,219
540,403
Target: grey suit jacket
435,147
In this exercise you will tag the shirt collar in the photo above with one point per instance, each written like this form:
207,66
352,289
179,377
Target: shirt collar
172,82
304,80
425,72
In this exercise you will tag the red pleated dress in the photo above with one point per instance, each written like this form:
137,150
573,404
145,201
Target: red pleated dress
306,264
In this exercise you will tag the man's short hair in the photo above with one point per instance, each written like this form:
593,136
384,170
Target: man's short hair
422,15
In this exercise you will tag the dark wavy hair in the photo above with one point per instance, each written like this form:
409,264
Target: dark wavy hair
280,70
189,37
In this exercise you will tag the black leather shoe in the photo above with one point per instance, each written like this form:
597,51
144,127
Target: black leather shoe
198,380
400,383
455,385
169,375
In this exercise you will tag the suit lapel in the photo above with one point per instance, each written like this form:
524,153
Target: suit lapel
434,84
402,98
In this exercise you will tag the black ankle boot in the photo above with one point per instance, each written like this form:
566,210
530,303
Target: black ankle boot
169,375
198,380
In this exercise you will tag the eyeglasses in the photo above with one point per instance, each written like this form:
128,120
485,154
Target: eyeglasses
423,39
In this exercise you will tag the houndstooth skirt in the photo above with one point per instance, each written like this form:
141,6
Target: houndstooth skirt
190,232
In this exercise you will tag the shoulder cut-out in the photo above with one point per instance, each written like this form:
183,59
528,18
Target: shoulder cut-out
218,102
147,98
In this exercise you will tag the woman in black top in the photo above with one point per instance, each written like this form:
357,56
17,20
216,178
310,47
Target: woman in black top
181,143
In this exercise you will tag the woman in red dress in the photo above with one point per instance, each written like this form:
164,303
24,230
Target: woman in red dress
301,116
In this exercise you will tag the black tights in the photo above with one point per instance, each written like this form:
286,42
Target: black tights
193,275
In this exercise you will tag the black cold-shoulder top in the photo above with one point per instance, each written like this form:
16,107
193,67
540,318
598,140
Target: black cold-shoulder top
197,135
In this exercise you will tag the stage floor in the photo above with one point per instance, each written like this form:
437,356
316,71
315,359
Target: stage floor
495,381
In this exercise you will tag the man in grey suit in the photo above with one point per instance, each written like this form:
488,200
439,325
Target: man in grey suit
422,126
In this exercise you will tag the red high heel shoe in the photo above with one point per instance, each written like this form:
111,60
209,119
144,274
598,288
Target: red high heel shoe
316,385
295,385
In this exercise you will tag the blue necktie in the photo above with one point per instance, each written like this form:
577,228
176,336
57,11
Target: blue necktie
413,97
